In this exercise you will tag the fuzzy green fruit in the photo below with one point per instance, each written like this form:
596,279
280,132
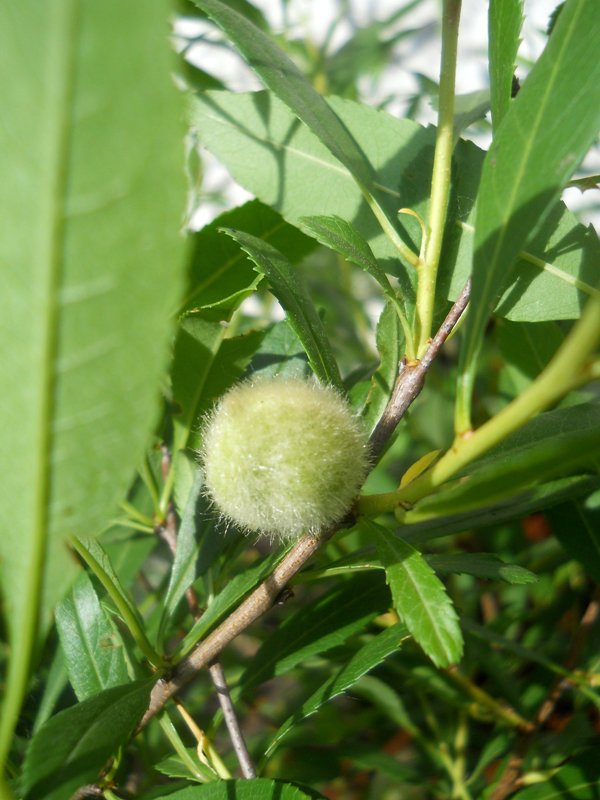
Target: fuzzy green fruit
283,457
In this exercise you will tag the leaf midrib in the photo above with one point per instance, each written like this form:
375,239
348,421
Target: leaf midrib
333,611
404,566
60,90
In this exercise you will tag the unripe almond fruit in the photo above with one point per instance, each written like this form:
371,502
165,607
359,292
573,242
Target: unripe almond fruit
283,456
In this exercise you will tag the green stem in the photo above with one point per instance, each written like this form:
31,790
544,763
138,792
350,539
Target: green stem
440,179
500,711
150,482
5,792
165,497
135,515
564,372
389,230
129,617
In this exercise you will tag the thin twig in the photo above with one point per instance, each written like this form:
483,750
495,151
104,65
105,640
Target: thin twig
239,745
411,378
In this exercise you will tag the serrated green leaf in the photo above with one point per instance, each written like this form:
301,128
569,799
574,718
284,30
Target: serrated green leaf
420,599
97,559
505,19
299,177
282,76
390,346
92,269
73,746
369,656
343,238
183,571
544,135
481,565
205,364
319,626
93,649
576,525
220,276
253,789
280,354
549,281
289,289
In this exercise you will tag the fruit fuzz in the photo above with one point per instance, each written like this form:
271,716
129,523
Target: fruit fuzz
283,457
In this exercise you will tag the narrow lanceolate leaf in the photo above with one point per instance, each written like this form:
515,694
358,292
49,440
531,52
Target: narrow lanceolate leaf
420,599
289,289
281,75
390,346
228,598
183,571
481,565
544,135
325,623
98,561
427,523
505,18
284,78
205,364
368,657
341,237
220,276
199,337
576,525
255,789
90,259
94,654
73,746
